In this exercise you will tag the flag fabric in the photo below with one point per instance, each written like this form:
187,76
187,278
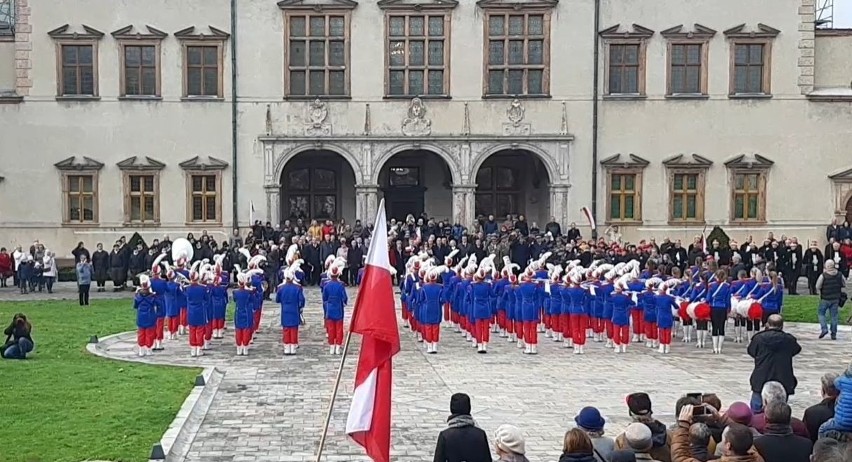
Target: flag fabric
374,318
704,240
591,219
251,213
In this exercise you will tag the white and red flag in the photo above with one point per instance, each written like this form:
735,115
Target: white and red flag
374,318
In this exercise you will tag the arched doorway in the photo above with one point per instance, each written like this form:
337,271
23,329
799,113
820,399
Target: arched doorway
318,184
513,182
414,182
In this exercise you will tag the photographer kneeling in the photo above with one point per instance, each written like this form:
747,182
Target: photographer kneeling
18,340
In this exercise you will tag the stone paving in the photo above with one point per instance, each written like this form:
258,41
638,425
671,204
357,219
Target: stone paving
272,408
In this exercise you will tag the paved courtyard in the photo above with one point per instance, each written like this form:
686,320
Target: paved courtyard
271,408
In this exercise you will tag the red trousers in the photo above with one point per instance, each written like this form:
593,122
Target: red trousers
665,336
651,330
510,326
218,323
145,337
405,314
196,336
208,331
257,319
531,332
580,322
482,331
242,337
290,335
565,324
454,317
334,330
608,328
173,325
638,322
546,318
501,319
621,335
597,325
184,317
519,329
446,311
159,328
431,333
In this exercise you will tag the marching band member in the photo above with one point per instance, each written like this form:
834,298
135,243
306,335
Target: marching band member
666,307
181,297
480,296
579,314
620,303
207,278
720,304
565,321
451,293
543,316
680,292
510,301
291,298
604,291
196,317
554,307
174,290
145,303
739,288
431,300
529,294
637,310
649,309
771,296
243,314
334,300
289,259
464,299
257,281
447,278
753,293
159,286
324,276
219,297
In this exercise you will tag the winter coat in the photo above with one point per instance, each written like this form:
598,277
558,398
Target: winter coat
681,451
50,270
463,441
577,457
145,305
779,444
430,302
817,415
843,409
84,273
292,300
196,305
100,261
719,296
659,437
334,299
773,352
243,315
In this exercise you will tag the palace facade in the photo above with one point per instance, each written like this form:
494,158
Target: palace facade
122,118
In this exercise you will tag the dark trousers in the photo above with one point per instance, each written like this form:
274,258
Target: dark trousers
48,281
812,279
315,273
791,282
83,291
717,320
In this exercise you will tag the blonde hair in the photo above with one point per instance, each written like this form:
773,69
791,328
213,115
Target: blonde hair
576,441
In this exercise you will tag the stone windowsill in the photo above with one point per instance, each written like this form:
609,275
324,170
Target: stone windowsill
202,99
624,97
750,96
510,97
140,98
688,96
317,97
11,99
80,98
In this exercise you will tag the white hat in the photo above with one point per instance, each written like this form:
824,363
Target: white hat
510,439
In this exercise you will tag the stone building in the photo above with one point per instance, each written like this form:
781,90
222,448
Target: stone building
122,118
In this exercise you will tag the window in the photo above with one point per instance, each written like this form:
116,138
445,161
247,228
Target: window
203,70
749,196
81,198
686,196
687,68
518,54
317,54
498,191
750,68
624,198
204,198
404,176
78,74
417,48
7,18
624,68
142,198
141,73
311,192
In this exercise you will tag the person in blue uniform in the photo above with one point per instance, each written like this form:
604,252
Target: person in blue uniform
649,312
291,298
159,286
637,313
544,326
529,297
334,300
257,281
219,298
431,296
446,277
480,294
196,295
209,282
462,299
173,290
604,292
183,308
243,315
579,315
666,307
620,303
508,301
719,298
739,287
554,305
565,321
771,296
145,303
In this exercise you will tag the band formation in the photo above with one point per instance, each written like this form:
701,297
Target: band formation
616,304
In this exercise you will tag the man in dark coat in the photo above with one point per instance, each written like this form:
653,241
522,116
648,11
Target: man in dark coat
821,412
519,251
813,265
462,441
778,443
773,351
117,268
792,267
101,265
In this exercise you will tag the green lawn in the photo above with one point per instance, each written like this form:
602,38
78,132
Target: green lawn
803,308
66,405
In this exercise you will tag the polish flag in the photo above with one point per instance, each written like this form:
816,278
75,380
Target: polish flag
374,317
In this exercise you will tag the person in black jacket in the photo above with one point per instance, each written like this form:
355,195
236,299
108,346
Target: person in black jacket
821,412
462,441
778,443
19,340
101,265
80,251
813,265
117,269
792,267
773,351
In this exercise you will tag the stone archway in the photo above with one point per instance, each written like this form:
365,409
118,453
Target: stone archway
317,184
513,181
416,181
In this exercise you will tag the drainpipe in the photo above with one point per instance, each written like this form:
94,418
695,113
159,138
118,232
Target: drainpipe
595,91
234,202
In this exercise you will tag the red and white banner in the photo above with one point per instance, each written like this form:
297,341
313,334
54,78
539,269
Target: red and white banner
374,318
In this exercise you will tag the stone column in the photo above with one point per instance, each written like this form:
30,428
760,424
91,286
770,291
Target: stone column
273,204
463,203
559,203
366,202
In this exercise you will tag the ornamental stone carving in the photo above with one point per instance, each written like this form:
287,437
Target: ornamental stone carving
317,115
515,113
416,124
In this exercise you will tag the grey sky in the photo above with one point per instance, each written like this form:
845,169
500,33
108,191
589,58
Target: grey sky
843,13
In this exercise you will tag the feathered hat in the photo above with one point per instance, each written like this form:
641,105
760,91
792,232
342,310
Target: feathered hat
653,282
217,263
256,261
448,260
194,274
434,273
156,266
554,271
328,261
292,254
458,268
336,267
251,273
144,284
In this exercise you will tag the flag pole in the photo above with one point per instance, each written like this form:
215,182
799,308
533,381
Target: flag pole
334,396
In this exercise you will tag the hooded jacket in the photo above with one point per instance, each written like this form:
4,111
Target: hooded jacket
463,441
659,437
773,352
682,453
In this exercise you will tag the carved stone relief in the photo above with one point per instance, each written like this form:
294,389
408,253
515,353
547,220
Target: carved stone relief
516,126
317,119
416,124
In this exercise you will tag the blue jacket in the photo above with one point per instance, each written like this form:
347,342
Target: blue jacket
462,296
160,287
649,306
257,283
243,316
665,316
509,301
480,293
334,299
620,304
772,298
430,301
528,292
145,306
555,308
578,300
566,299
172,308
499,286
196,304
219,301
292,299
84,273
604,291
842,421
719,295
637,287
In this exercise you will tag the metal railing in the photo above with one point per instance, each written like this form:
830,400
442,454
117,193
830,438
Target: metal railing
7,17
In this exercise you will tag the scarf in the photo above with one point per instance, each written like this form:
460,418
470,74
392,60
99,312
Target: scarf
460,420
777,429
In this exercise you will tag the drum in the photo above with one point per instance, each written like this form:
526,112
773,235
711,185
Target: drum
684,316
750,309
698,311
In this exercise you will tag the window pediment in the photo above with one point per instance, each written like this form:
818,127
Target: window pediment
130,32
762,31
64,33
637,33
417,5
842,177
749,162
693,162
79,164
204,164
317,5
140,163
699,32
517,4
633,161
191,33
